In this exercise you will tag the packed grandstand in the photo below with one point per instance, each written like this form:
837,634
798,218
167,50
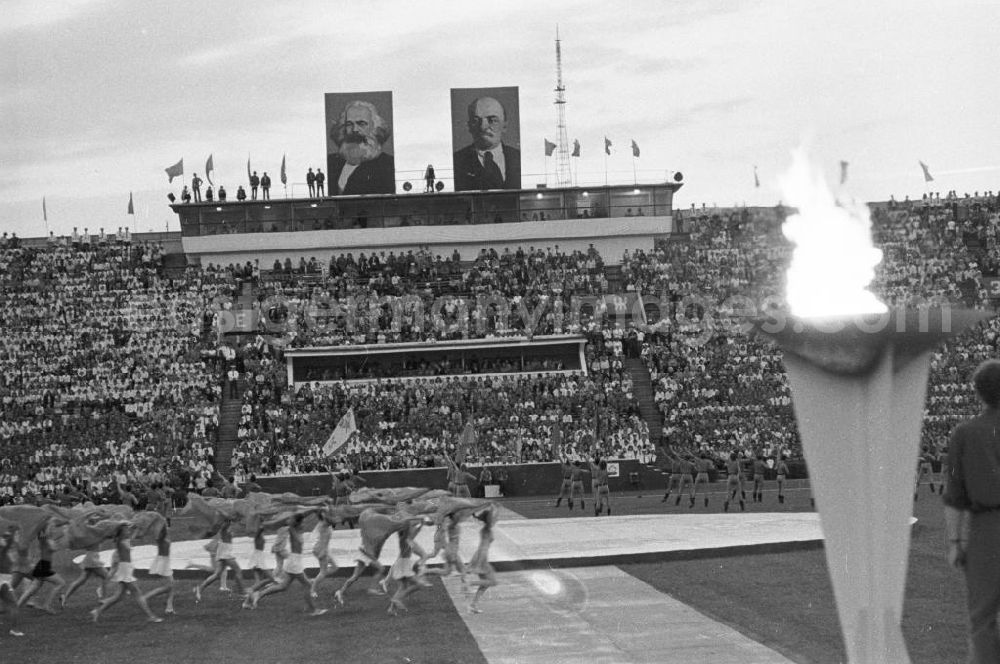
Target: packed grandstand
114,365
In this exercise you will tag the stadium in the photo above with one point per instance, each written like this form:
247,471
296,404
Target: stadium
538,410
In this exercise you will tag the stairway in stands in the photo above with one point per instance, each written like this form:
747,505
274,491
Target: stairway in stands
229,419
642,389
613,273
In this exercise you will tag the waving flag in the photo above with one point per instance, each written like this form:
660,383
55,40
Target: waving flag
284,177
756,180
607,145
131,208
843,172
927,172
209,167
550,147
248,168
345,427
576,148
175,171
555,440
466,440
635,149
45,212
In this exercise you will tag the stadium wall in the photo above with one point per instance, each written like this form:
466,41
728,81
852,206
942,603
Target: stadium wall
611,236
531,479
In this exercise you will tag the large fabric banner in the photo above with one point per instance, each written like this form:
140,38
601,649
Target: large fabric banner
486,138
359,145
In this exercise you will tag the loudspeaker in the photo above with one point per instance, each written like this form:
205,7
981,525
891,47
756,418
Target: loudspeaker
171,198
678,176
439,186
407,186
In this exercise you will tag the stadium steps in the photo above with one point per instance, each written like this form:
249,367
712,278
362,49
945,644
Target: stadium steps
613,273
229,419
642,389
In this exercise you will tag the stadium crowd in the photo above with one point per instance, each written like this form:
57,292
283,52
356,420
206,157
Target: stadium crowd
101,374
406,424
418,297
107,370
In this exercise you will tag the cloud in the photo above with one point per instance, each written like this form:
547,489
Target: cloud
693,113
32,14
240,49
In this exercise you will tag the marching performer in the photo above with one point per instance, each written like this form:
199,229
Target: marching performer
224,559
92,567
480,563
8,543
161,567
123,577
43,572
293,568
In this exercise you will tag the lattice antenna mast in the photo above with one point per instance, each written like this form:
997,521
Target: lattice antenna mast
564,174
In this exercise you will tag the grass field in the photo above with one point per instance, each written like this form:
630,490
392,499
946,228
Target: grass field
782,600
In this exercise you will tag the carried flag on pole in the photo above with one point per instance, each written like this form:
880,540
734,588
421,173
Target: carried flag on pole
284,177
550,147
45,213
843,172
635,149
576,148
555,440
607,145
131,208
466,440
927,172
345,427
756,180
248,168
175,171
209,167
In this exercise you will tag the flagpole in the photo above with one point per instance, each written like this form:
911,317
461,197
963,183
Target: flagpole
605,166
635,178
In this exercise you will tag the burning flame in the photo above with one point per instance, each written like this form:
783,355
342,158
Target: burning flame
834,259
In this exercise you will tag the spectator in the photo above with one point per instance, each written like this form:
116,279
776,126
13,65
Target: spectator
196,187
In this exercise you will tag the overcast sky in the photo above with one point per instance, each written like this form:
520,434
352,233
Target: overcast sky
99,96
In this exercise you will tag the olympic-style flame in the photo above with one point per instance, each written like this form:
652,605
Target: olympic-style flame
834,259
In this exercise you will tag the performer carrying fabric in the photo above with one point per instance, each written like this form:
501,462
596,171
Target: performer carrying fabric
224,559
92,567
376,528
321,549
43,572
293,569
404,570
480,563
8,542
161,567
123,577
